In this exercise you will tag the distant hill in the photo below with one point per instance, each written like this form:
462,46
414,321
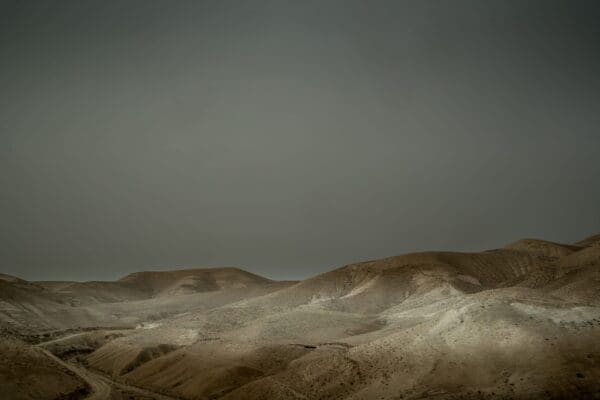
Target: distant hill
60,305
185,281
10,278
149,284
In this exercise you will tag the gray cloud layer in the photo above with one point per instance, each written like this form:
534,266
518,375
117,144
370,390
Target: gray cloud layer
291,137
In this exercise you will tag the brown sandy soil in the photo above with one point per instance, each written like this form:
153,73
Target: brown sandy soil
520,322
28,373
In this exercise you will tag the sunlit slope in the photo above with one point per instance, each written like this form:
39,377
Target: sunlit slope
517,322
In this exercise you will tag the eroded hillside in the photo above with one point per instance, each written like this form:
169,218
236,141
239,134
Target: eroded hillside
519,322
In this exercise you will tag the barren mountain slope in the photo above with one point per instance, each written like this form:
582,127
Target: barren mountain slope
25,305
26,373
413,324
164,283
148,284
590,241
521,322
134,299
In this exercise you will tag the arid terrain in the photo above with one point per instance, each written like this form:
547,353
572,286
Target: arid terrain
518,322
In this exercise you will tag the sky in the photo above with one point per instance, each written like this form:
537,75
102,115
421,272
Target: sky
291,137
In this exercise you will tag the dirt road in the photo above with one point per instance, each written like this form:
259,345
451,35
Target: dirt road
101,386
101,390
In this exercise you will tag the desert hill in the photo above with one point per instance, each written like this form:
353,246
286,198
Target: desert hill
166,283
49,306
10,278
518,322
148,284
590,241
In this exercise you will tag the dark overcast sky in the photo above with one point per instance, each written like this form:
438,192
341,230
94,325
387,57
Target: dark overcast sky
288,138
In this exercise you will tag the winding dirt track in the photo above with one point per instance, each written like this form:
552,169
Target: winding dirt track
100,389
101,386
62,338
